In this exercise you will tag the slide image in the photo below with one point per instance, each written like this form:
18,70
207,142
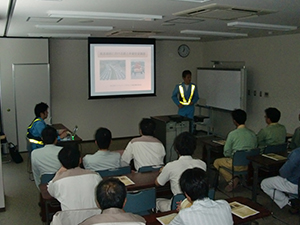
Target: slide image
137,69
112,70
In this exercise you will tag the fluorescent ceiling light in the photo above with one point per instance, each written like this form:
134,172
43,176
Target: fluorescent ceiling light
261,26
66,27
175,38
57,35
198,1
103,15
213,33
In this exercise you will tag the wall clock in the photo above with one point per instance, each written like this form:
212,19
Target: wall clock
183,50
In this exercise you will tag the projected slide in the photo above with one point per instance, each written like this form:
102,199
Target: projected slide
122,69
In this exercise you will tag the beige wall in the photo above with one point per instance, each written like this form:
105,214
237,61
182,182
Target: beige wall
16,51
69,89
273,65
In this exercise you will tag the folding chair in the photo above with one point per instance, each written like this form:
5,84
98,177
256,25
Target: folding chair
240,159
141,202
48,207
213,181
115,171
145,169
29,167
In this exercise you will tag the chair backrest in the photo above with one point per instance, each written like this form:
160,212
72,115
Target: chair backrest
145,169
275,148
140,202
240,157
175,199
45,178
115,172
71,217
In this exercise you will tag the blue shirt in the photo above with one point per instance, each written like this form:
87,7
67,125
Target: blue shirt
291,168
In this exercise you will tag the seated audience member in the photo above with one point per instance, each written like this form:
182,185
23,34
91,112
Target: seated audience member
194,185
73,186
286,182
45,160
239,139
274,133
34,130
295,142
103,159
185,145
111,198
145,150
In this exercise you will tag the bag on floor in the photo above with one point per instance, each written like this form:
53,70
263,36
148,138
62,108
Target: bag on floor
14,153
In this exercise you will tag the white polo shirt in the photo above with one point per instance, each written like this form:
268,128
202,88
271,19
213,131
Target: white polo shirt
145,151
173,170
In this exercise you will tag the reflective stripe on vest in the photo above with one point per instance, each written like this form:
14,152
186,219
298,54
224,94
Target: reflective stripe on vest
181,91
30,136
33,141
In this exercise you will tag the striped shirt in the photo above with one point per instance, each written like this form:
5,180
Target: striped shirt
205,212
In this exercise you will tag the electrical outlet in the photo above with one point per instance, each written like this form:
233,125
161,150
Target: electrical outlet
249,92
266,94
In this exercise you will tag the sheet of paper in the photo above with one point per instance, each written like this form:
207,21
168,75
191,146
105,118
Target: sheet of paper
125,180
274,156
241,210
220,142
185,204
166,219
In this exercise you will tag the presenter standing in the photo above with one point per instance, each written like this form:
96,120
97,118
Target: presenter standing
185,96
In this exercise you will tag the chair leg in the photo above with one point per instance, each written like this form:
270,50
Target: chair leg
29,168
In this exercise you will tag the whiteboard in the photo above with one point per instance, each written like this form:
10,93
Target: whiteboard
222,88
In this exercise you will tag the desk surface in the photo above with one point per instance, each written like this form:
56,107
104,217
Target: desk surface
141,180
265,161
263,212
60,126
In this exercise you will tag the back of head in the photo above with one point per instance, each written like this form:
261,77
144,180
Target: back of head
194,183
49,135
103,138
185,143
239,116
185,73
111,193
147,126
40,108
273,114
69,157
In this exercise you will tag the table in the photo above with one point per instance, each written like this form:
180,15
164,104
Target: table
208,147
263,212
260,161
60,126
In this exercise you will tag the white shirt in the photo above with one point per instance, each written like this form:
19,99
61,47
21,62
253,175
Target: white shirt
75,188
205,212
44,161
102,160
145,151
173,170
